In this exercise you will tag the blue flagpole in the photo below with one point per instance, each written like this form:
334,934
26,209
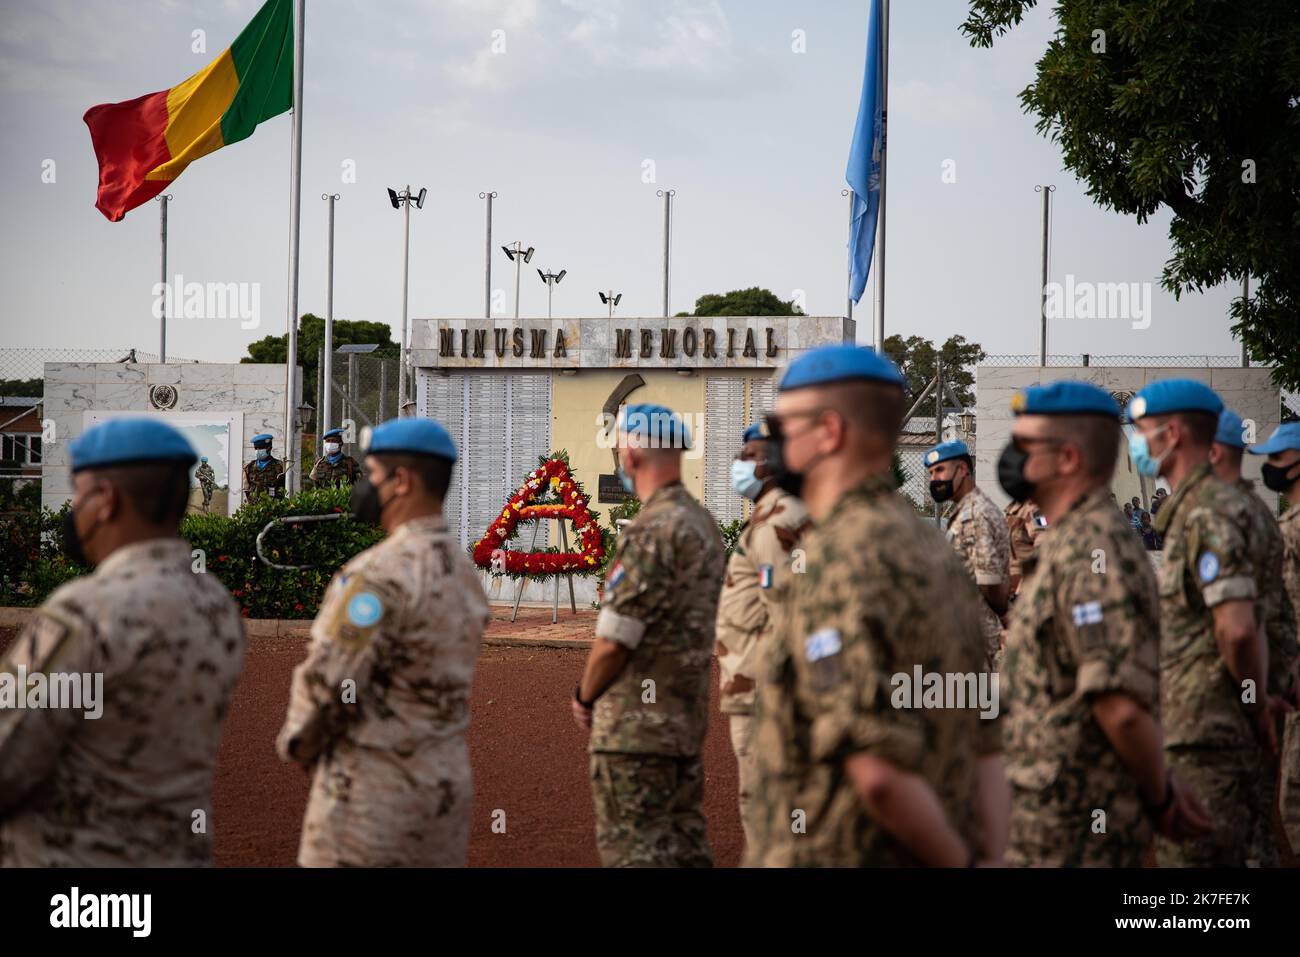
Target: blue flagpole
865,170
880,220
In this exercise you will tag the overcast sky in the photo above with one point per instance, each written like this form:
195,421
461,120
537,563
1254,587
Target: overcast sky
752,135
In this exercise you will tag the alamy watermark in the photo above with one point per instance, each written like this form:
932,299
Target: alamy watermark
1099,300
74,691
209,300
933,689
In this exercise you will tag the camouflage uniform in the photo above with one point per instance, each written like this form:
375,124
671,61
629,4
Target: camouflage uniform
660,602
259,482
207,482
882,594
1087,623
757,582
1289,796
327,474
1023,532
978,532
1209,738
122,790
391,783
1276,613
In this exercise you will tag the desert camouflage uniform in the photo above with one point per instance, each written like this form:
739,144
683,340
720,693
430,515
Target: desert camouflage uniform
391,784
660,602
882,594
1209,738
327,474
978,532
1023,532
207,482
757,582
1289,797
1087,623
1264,544
259,482
132,788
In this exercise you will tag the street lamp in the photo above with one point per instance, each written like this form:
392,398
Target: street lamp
550,278
518,255
403,201
610,299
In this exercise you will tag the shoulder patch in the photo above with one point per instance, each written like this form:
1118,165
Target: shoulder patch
1207,567
615,576
365,609
822,644
1088,613
764,576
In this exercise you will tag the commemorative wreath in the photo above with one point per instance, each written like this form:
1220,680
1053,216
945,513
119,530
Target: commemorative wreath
548,491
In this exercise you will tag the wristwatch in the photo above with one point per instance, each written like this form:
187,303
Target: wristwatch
577,696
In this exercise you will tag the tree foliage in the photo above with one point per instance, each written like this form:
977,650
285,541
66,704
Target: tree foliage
311,336
754,301
1191,105
30,388
916,358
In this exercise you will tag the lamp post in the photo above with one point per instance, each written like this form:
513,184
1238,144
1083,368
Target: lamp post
550,278
403,201
518,255
487,257
327,362
610,299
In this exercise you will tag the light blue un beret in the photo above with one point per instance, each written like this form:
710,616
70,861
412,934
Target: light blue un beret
656,422
945,451
1174,395
839,363
129,441
1065,397
412,436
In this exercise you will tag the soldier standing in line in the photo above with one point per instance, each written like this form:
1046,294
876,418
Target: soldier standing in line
756,586
644,693
978,533
1024,526
1281,474
264,475
1084,757
161,647
1218,715
334,468
1265,547
378,711
853,772
207,481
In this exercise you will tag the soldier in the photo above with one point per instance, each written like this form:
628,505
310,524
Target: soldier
207,480
265,474
155,650
644,693
1218,715
1265,548
334,468
978,533
379,709
1088,776
855,767
1281,475
1024,526
756,585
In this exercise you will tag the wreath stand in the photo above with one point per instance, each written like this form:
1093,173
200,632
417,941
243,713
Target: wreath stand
523,579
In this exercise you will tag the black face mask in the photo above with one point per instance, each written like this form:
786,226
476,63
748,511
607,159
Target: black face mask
73,546
1011,473
364,502
777,469
1274,476
941,490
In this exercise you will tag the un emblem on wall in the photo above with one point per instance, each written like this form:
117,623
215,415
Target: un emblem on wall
162,396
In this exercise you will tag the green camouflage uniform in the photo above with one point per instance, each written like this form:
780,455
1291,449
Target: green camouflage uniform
1209,738
1087,623
756,587
1278,617
660,603
327,474
979,534
207,482
1289,794
267,480
882,595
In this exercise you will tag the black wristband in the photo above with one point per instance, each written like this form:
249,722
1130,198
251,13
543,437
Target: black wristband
577,696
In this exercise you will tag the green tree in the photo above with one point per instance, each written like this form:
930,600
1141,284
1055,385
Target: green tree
1191,105
744,302
31,388
916,358
311,336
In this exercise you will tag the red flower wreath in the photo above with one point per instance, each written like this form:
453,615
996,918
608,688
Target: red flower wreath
573,506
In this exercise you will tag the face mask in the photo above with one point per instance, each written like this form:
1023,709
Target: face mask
73,544
1011,473
1139,451
332,448
743,479
626,479
263,454
1274,476
941,490
364,502
779,471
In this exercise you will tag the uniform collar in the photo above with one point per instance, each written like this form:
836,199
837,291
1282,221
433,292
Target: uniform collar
1167,510
664,491
865,491
426,523
1092,501
155,551
769,497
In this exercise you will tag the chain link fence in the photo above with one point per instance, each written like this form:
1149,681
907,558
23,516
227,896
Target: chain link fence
30,363
364,391
1088,359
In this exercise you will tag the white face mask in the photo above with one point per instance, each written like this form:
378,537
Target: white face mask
332,448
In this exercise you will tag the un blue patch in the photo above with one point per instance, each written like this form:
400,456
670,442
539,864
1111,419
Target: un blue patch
365,609
1207,566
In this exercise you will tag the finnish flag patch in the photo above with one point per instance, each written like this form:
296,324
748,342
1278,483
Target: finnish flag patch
821,644
1088,613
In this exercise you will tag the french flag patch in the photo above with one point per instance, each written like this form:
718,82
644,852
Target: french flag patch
764,576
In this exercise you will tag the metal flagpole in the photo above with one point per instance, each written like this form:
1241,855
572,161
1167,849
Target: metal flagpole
406,268
668,195
1245,300
163,200
849,298
1042,327
879,256
487,257
295,203
327,360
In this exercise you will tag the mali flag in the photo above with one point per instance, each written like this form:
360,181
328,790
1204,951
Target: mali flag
143,144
